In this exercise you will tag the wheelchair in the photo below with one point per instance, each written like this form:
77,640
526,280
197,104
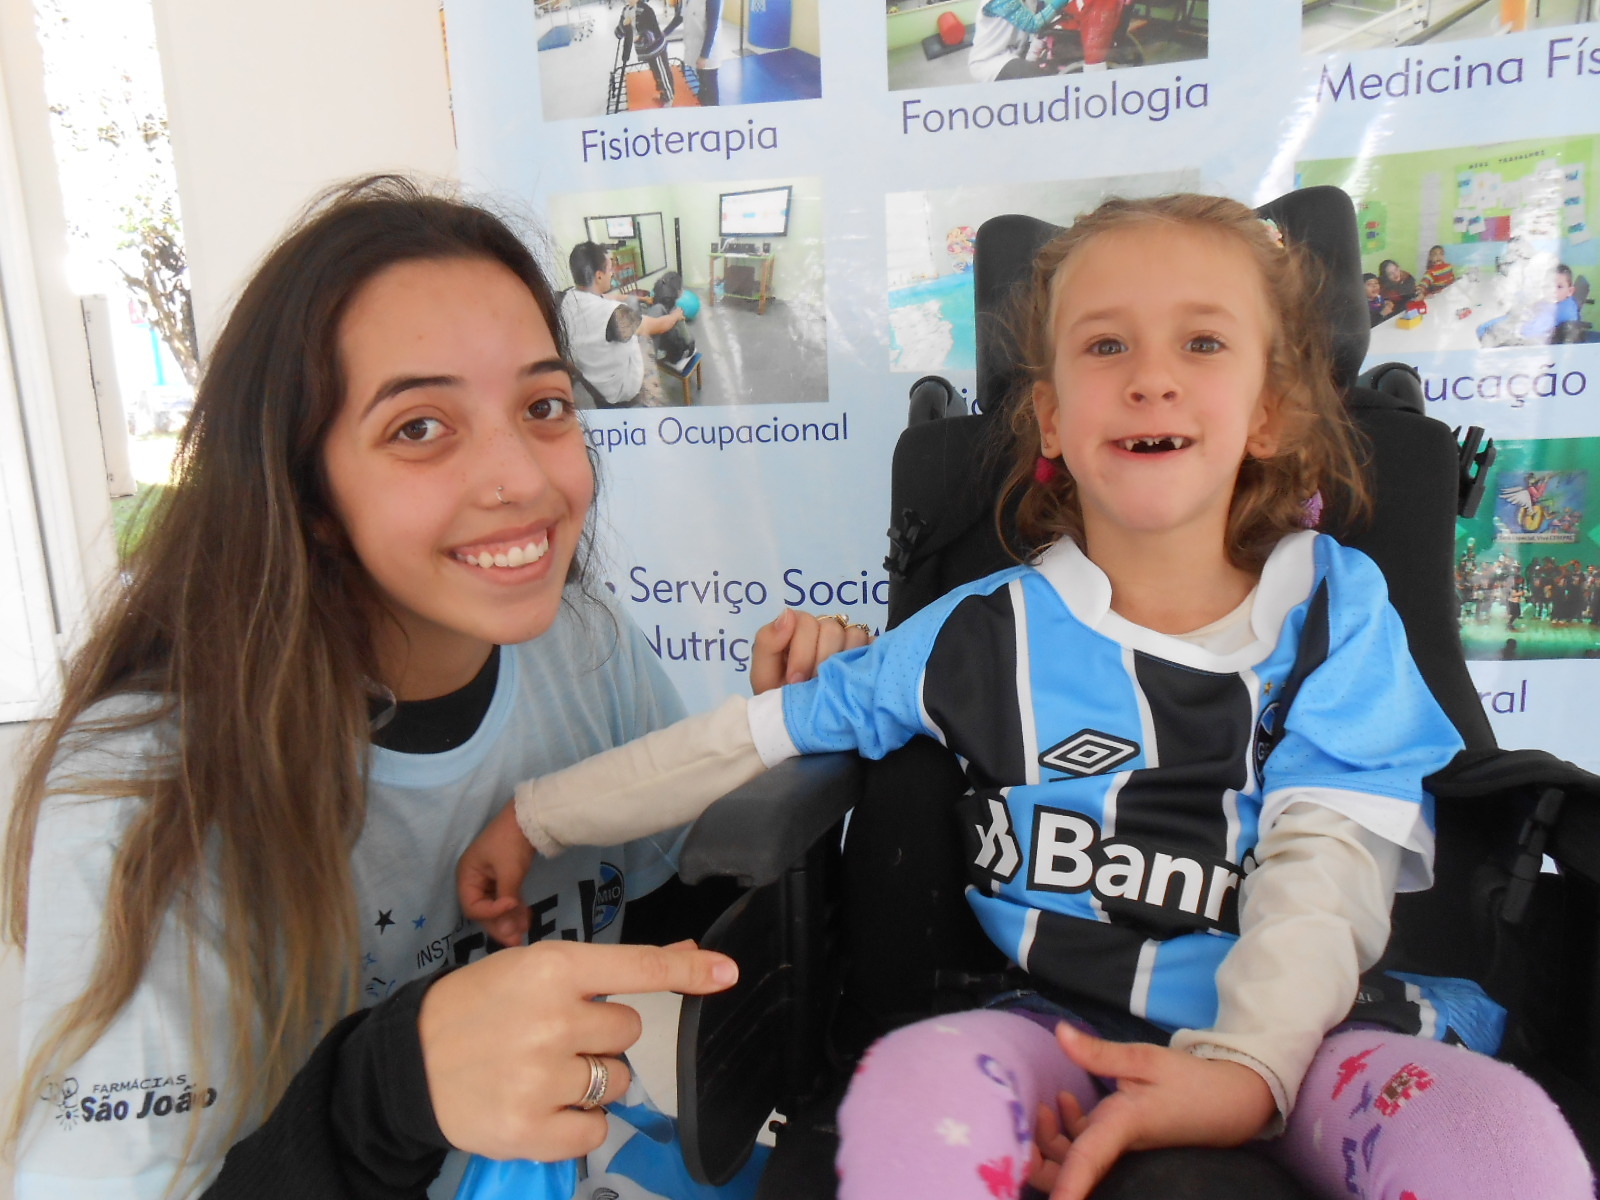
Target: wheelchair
841,940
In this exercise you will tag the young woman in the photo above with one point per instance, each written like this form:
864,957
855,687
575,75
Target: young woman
360,616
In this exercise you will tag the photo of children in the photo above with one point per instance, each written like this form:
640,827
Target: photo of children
612,56
694,293
1527,566
1339,27
936,43
1475,247
929,238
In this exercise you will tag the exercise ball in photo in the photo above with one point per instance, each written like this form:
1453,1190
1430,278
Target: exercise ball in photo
690,303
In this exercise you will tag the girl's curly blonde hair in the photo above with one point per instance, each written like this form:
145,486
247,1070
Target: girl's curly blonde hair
1317,445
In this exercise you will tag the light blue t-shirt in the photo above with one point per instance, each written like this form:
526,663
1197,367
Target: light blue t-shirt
112,1126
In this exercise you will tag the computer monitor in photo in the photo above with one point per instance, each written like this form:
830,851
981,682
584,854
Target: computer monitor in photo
760,213
620,227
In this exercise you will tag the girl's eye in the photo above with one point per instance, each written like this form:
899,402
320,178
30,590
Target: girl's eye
419,430
1205,344
1106,346
550,408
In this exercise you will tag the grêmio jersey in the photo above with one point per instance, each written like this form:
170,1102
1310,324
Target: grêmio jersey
1120,778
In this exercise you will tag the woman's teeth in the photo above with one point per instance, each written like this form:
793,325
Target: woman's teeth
517,556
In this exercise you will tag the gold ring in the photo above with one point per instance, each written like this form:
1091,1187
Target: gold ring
599,1080
844,621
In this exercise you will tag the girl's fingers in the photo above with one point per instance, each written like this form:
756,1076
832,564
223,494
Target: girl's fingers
1109,1060
769,653
1094,1152
1073,1118
802,661
830,638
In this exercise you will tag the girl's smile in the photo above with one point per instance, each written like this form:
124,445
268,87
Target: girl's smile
457,465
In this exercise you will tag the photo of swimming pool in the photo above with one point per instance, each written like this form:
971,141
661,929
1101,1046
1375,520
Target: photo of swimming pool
931,325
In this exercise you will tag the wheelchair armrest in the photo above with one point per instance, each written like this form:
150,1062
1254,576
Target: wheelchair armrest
757,831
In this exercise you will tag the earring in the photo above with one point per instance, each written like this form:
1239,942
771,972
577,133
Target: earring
501,493
1044,470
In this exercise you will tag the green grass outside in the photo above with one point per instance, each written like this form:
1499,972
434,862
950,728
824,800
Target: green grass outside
131,514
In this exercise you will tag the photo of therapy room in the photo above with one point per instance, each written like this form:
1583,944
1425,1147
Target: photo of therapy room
616,56
936,43
1347,26
694,293
930,235
1475,248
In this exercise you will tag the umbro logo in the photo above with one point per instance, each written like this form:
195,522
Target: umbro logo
1089,752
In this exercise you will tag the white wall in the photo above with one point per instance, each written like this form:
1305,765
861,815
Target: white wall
72,475
270,103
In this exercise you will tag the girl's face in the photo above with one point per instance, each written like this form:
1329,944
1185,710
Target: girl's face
1159,387
1436,255
1391,271
456,464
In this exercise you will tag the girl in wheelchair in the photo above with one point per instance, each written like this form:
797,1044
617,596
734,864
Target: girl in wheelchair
1196,744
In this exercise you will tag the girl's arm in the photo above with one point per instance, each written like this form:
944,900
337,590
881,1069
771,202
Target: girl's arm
1313,916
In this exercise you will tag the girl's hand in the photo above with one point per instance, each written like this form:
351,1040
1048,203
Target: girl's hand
503,1039
1164,1097
791,648
489,879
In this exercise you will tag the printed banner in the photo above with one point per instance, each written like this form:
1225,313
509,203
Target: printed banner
803,180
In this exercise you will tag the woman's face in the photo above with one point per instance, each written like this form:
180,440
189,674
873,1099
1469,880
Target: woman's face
456,464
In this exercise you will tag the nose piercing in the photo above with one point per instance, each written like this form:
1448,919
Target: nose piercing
501,493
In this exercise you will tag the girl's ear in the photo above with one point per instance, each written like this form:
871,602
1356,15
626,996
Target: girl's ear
1046,407
1263,438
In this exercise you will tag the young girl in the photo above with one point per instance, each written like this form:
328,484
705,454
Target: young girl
1196,744
360,616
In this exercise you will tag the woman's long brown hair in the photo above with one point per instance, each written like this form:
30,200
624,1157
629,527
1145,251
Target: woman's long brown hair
1318,448
244,617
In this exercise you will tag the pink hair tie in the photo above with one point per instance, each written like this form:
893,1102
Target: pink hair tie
1313,510
1044,470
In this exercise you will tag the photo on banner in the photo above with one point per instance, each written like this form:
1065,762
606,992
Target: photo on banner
1330,26
741,260
1477,247
948,42
932,304
601,58
1528,564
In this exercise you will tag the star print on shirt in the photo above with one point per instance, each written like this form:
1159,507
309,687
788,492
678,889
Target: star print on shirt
384,920
420,921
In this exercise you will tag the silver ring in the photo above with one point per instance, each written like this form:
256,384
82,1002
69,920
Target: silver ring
599,1080
501,493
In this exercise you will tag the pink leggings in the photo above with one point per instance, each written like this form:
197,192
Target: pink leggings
944,1108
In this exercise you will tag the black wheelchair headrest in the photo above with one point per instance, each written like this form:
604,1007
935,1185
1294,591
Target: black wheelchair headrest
1321,219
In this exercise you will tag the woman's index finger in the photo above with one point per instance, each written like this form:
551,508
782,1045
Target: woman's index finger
607,970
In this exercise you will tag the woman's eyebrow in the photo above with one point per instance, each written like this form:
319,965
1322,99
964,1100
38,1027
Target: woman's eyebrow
406,383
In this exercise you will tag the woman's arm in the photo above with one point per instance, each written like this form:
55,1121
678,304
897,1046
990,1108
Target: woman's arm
356,1122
